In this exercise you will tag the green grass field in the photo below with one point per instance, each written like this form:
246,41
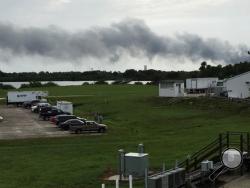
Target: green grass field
169,129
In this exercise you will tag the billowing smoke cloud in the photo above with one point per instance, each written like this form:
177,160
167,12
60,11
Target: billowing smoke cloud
131,37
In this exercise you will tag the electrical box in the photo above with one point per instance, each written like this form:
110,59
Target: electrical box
155,182
179,177
171,179
135,164
207,166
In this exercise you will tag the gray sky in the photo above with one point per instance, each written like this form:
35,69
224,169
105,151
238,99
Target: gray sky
77,35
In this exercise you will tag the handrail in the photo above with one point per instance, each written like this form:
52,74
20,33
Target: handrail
206,147
209,151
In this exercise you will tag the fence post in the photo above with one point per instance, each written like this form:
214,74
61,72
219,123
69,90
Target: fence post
130,181
195,163
241,149
220,143
103,185
163,167
227,139
187,164
248,146
146,178
117,183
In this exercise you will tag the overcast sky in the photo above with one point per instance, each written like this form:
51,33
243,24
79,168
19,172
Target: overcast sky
78,35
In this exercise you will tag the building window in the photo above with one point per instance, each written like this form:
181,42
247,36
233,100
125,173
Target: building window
166,85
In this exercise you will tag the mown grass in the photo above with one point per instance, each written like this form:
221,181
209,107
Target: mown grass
170,130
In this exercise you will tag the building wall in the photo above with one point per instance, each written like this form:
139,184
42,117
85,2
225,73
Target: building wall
172,91
237,86
200,83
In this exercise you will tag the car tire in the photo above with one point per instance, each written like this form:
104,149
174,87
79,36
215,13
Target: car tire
101,130
78,131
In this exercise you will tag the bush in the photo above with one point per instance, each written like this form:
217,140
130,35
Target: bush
101,82
50,84
138,83
153,83
6,86
25,86
117,82
38,84
85,83
35,84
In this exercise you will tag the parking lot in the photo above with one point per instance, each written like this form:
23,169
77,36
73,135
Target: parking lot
21,123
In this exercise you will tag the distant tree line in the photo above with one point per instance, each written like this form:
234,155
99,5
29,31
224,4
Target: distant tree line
38,84
205,70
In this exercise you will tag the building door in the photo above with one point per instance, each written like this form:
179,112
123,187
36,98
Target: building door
194,84
178,89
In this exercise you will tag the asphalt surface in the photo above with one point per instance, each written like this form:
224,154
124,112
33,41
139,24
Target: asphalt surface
237,182
21,123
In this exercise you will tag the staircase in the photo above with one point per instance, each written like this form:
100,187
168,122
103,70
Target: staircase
213,151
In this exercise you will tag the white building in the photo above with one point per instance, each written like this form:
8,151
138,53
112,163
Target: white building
238,86
201,85
171,88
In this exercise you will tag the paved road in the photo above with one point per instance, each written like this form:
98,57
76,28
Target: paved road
237,182
22,123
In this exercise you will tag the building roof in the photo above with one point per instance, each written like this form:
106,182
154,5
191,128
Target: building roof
239,75
136,154
171,81
203,78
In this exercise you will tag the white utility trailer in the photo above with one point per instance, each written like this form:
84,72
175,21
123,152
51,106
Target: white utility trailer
65,106
19,97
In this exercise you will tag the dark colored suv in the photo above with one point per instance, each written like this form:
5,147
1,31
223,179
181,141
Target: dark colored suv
53,112
62,118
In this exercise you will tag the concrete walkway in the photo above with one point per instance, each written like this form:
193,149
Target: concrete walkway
238,182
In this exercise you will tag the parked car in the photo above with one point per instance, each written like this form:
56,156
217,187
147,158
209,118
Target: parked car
53,112
62,118
28,104
36,108
65,125
45,109
79,126
52,119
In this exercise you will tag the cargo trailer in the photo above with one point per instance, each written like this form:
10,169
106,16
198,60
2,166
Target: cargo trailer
19,97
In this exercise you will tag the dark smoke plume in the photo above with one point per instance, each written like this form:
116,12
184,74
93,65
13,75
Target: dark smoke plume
132,37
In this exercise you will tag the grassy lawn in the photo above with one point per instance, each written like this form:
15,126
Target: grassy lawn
169,129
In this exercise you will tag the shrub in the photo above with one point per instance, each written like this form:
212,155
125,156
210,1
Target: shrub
50,84
138,83
117,82
6,86
101,82
85,83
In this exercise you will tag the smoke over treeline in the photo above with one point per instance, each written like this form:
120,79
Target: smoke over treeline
205,70
130,37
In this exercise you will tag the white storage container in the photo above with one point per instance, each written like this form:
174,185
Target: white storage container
65,106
